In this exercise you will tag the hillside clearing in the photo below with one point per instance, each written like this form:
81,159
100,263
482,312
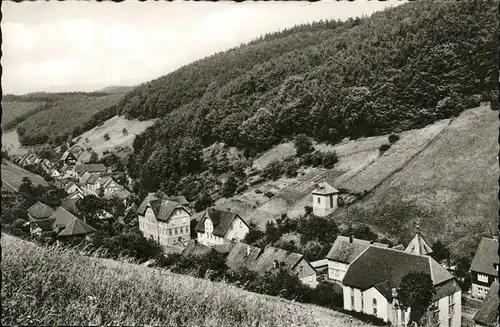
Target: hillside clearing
12,175
393,159
114,128
451,186
56,286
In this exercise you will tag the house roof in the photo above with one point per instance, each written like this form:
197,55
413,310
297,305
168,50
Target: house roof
92,179
196,249
324,188
181,199
40,210
77,227
387,268
487,315
70,205
344,251
62,217
221,220
265,261
486,256
242,255
66,154
418,245
122,194
224,248
163,209
91,168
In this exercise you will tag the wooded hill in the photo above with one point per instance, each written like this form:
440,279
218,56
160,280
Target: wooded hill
399,69
52,117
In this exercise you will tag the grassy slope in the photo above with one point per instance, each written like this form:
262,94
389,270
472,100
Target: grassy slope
60,287
113,127
12,110
452,186
12,175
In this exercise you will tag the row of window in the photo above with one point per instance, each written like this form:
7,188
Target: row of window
152,228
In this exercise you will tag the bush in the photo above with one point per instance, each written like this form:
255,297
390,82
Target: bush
258,191
106,137
269,194
303,144
326,295
229,187
329,159
274,170
393,138
308,210
384,147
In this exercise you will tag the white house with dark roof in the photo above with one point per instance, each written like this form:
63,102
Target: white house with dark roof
325,198
344,251
167,222
484,267
373,278
219,227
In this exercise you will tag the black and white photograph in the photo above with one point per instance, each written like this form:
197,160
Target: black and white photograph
250,163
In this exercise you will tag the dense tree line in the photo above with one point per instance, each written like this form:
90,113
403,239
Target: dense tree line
63,115
402,68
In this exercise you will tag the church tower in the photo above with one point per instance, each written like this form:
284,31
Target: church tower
418,245
325,199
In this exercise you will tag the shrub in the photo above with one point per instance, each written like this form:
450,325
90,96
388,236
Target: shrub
303,144
329,159
229,187
269,194
106,137
258,191
393,138
384,147
308,210
274,170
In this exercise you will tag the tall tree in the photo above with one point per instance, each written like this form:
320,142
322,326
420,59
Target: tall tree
415,293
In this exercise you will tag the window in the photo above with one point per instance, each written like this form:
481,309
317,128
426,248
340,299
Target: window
451,310
331,201
403,316
482,278
374,306
451,299
319,199
450,322
170,232
176,232
310,278
362,303
301,268
241,224
352,298
336,272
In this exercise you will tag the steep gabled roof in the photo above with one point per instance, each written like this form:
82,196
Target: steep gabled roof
122,194
77,227
242,255
221,220
324,188
384,268
487,315
40,210
162,209
486,257
418,245
70,205
265,261
62,217
344,251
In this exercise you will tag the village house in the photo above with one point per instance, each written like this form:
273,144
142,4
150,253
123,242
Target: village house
37,214
73,187
98,169
109,185
484,267
67,225
325,199
271,259
219,227
342,253
165,221
92,182
372,280
68,158
487,315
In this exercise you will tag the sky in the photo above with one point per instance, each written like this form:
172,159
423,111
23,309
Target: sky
87,45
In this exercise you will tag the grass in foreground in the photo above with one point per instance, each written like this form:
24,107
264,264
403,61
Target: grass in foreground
55,286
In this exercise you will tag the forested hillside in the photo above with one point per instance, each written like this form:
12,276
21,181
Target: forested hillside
396,70
60,115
